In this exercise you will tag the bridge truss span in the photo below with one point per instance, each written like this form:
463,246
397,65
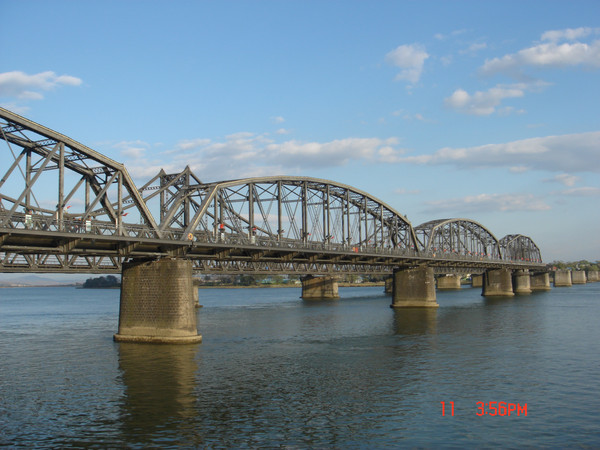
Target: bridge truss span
287,210
67,208
458,237
516,247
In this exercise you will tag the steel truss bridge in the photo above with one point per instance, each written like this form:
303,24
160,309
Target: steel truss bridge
67,208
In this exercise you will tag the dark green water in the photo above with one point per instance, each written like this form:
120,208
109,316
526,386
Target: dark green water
274,371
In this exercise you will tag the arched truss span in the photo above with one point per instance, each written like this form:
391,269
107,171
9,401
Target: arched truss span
516,247
284,209
61,182
457,236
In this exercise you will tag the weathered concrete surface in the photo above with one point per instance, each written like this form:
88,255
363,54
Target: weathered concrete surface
578,277
562,278
389,285
157,304
448,282
592,276
521,281
314,288
497,283
414,288
540,282
476,280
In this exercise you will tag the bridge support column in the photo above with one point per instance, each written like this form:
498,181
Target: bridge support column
195,293
540,282
414,288
157,304
521,281
497,283
562,278
389,285
578,277
319,288
476,280
592,276
448,282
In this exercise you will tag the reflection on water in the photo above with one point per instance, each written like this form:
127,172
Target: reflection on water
415,321
277,371
159,382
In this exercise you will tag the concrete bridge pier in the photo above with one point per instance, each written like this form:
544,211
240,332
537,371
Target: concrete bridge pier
448,282
389,285
562,278
540,282
497,283
157,302
476,280
414,288
578,277
521,281
319,288
592,276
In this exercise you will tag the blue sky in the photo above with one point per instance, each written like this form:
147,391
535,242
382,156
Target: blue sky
485,110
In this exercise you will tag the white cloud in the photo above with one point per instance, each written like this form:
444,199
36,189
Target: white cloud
474,48
488,203
481,103
278,119
410,59
564,178
22,86
132,149
569,152
248,154
551,53
586,191
569,34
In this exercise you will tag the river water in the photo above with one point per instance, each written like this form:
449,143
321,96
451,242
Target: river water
276,371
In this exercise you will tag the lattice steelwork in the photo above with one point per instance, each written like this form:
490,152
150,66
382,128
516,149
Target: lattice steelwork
54,183
65,207
291,209
458,237
516,247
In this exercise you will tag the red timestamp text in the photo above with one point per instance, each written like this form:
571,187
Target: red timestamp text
501,409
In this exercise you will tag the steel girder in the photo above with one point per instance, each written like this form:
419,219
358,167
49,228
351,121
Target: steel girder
516,247
61,181
458,236
63,208
282,209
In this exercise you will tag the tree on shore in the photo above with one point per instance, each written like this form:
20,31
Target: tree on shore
108,281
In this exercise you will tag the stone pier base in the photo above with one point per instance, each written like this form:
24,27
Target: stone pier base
476,280
540,282
521,281
497,283
448,282
578,277
157,304
314,288
592,276
414,288
562,278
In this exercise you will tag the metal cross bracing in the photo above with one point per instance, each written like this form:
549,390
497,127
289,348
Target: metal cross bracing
65,207
516,247
458,236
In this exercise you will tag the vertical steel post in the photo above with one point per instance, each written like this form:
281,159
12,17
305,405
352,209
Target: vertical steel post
279,219
250,210
28,179
61,186
120,204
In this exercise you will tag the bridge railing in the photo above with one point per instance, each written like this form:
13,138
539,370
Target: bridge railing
41,222
77,227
